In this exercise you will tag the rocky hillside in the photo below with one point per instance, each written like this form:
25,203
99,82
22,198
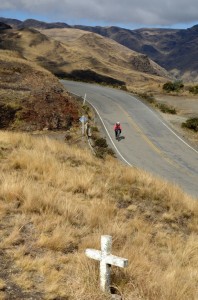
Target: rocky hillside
31,98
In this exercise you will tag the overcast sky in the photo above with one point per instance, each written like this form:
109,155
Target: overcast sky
123,13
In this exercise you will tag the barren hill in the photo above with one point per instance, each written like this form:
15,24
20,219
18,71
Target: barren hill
31,98
173,49
81,55
92,52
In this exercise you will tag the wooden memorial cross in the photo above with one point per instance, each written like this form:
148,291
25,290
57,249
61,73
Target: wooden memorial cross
106,260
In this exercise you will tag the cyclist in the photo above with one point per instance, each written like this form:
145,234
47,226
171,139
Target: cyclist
117,129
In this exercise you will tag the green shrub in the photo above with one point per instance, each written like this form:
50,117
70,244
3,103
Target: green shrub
101,142
166,109
8,114
111,152
101,148
148,97
191,124
123,88
94,129
193,89
175,86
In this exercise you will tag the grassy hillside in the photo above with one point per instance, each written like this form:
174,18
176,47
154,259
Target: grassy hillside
173,49
31,98
64,51
48,218
105,56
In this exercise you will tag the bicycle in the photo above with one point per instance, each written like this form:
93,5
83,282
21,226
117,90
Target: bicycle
118,133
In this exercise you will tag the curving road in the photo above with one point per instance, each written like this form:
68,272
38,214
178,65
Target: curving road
147,141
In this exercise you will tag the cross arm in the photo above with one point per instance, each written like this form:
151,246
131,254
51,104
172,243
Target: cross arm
116,261
92,253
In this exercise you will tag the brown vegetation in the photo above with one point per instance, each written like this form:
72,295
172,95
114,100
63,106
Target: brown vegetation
31,98
56,201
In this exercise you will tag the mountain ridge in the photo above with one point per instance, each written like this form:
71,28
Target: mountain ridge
17,24
63,51
173,49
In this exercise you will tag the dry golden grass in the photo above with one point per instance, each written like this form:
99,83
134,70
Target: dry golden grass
85,50
57,200
15,57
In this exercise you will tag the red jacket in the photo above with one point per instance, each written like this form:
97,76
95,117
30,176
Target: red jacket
116,127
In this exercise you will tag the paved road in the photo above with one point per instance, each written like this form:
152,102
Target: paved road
147,141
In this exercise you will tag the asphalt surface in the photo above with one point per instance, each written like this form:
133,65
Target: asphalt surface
147,142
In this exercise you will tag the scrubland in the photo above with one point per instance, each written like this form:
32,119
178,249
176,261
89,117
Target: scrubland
31,98
57,200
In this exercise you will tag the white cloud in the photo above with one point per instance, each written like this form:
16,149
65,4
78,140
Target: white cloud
150,13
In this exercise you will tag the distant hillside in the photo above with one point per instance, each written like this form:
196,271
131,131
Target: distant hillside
173,49
4,26
104,55
80,55
31,23
31,98
12,22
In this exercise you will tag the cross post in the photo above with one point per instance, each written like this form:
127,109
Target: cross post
84,99
106,260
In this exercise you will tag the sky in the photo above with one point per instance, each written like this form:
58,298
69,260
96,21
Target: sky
131,14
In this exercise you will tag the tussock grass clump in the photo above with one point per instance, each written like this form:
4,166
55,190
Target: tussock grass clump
57,200
192,124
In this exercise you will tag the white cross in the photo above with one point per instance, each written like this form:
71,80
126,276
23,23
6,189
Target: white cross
106,260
